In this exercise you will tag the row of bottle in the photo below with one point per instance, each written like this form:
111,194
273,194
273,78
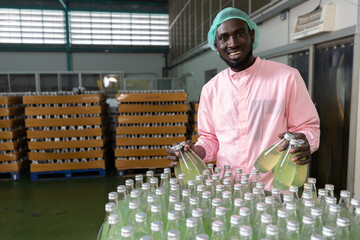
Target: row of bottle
12,128
85,104
160,103
219,209
66,139
179,124
58,161
12,140
152,113
140,158
143,147
63,116
61,128
57,93
167,135
65,150
152,91
21,159
19,116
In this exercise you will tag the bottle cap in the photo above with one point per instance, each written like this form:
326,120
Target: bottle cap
235,220
196,212
210,165
194,200
272,230
149,173
312,180
182,176
199,177
186,192
282,213
316,212
200,188
329,187
355,202
155,208
294,189
109,207
248,196
114,219
308,186
173,198
202,236
219,188
206,194
330,200
226,194
129,182
344,194
227,167
244,212
154,180
179,206
121,189
288,198
220,211
145,186
290,206
329,231
256,191
127,231
140,217
215,177
292,225
237,187
323,192
174,187
315,236
147,237
217,226
167,170
227,181
191,222
159,191
260,206
191,182
308,219
244,181
275,191
342,222
238,170
238,202
113,196
134,204
309,203
206,172
217,170
151,198
260,185
135,194
307,195
156,226
289,136
173,215
163,176
173,235
228,174
139,177
266,218
173,181
216,202
209,182
245,231
334,208
269,200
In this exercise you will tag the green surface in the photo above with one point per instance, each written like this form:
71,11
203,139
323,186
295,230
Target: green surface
54,209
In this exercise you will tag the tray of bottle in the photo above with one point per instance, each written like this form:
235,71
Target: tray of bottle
12,145
33,111
51,122
12,156
65,133
123,164
10,100
127,108
56,99
66,144
41,167
124,141
151,97
140,152
68,155
153,119
11,111
151,130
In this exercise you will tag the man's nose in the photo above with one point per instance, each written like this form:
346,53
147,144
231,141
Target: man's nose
233,41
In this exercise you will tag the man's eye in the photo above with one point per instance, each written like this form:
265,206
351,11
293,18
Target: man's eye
223,38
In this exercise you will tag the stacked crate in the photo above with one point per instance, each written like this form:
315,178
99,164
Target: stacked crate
193,121
148,123
65,134
13,158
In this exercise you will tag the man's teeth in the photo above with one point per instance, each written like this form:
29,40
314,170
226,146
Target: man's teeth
235,53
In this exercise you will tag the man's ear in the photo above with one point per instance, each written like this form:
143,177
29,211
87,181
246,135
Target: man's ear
215,45
252,36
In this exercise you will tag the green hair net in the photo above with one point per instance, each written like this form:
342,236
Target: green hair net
230,13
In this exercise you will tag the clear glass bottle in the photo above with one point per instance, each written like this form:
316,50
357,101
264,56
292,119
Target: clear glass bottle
268,159
216,178
312,181
192,186
328,201
110,208
272,232
257,195
308,205
227,182
245,185
238,203
182,182
344,203
160,194
342,228
138,182
218,190
199,190
202,236
210,166
260,210
215,202
238,193
307,227
206,173
173,221
320,202
209,186
249,203
234,230
265,220
246,233
355,226
149,175
168,172
134,208
261,186
292,230
220,213
270,208
172,200
295,191
291,209
226,199
305,196
218,230
354,204
237,178
143,198
173,235
329,232
155,214
205,206
123,204
154,184
175,189
151,199
282,218
334,213
180,208
198,214
316,212
254,179
114,231
245,217
186,194
157,231
199,179
129,184
276,194
194,203
147,237
191,228
164,183
140,227
135,195
330,188
287,197
316,236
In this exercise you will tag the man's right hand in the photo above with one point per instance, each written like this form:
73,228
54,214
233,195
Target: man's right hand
174,155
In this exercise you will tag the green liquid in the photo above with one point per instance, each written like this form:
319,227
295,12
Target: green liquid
268,159
189,164
300,176
284,172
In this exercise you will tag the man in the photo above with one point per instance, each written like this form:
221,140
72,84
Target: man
246,107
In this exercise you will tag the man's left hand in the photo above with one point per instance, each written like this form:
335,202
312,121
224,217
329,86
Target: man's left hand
303,153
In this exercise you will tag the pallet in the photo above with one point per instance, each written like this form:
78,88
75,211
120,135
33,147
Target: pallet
11,175
68,174
14,171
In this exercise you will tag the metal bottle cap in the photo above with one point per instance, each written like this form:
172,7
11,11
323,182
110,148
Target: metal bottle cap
244,212
245,231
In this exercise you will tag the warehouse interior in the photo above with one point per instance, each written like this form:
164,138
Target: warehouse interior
100,56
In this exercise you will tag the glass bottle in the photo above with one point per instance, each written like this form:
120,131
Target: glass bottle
149,175
316,236
265,220
246,233
305,196
261,186
237,178
157,230
295,191
122,206
238,203
151,199
344,203
270,208
205,205
198,214
328,201
210,166
202,236
307,228
342,228
140,228
218,230
145,193
260,210
330,188
135,195
180,208
172,200
245,217
354,204
175,189
318,224
282,218
138,182
227,182
329,232
199,190
312,181
114,231
146,237
320,202
154,184
173,221
113,198
268,159
216,178
134,208
164,183
160,194
194,203
257,195
173,181
155,214
186,194
220,214
168,172
234,230
226,199
355,226
245,185
110,208
292,230
173,235
189,163
254,180
238,193
272,232
291,209
191,229
218,190
215,202
334,213
308,205
249,203
199,179
206,173
182,182
192,186
276,194
287,197
209,186
129,184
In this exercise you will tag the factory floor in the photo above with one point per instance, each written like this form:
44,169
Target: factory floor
54,209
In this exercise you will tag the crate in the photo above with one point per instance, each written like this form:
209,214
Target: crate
193,129
147,123
66,133
13,147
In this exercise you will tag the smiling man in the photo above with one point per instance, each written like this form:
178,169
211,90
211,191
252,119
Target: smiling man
248,106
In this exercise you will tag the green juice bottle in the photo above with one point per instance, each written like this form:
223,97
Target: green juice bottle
110,208
271,155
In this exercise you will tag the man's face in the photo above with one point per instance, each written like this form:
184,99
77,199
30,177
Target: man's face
234,43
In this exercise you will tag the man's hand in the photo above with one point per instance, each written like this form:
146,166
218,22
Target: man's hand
303,155
174,155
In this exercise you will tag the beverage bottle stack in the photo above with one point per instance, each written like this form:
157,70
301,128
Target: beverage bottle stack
207,206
